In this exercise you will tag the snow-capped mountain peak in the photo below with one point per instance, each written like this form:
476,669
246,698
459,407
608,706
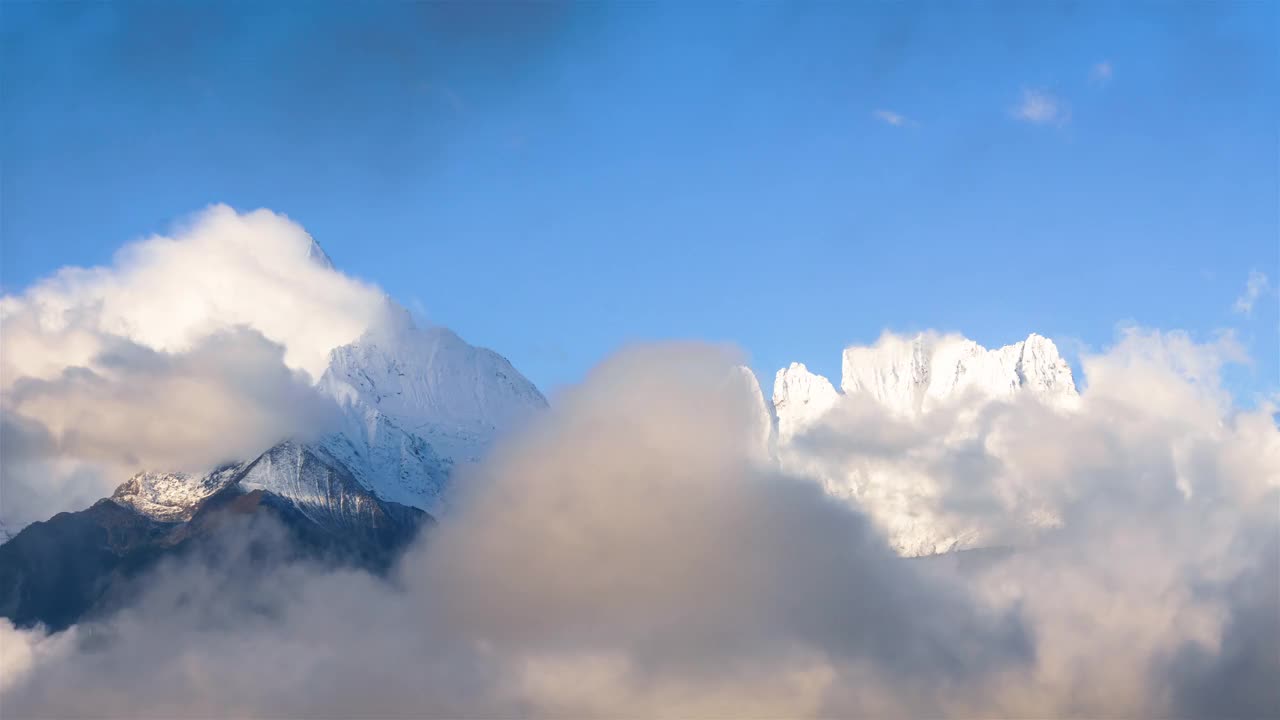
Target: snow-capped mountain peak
910,375
799,398
171,497
432,383
415,402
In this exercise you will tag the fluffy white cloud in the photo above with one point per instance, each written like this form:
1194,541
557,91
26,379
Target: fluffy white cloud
914,472
223,269
632,554
186,351
1151,497
71,439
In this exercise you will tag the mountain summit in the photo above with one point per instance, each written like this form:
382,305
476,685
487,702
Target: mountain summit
911,376
432,383
914,375
898,383
414,404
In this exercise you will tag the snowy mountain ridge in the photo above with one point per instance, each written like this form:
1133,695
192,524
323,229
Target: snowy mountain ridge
914,375
432,383
171,497
911,376
907,378
415,403
800,397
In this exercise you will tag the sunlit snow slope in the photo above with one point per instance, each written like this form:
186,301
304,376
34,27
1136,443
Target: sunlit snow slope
856,442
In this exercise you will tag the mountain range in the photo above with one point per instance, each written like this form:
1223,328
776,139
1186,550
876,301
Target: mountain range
900,385
415,404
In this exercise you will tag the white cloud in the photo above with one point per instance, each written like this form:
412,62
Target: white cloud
223,269
72,439
630,555
890,117
634,551
22,651
1041,108
1254,287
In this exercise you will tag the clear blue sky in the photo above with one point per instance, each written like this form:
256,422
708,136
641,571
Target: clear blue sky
553,180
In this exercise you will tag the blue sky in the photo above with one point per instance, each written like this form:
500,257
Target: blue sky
554,180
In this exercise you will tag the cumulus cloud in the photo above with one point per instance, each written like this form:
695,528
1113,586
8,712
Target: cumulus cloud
186,351
627,552
634,553
1151,496
71,439
1254,287
1038,107
222,269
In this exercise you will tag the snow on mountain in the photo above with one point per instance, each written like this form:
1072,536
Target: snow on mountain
397,465
430,382
319,485
415,402
315,483
914,375
171,497
800,398
888,390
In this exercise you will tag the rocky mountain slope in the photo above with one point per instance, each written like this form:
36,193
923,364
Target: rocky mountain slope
414,403
75,565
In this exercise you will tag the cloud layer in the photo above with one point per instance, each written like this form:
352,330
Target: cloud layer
635,554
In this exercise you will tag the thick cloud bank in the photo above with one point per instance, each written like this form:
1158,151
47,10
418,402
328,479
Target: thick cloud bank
634,555
222,269
979,468
186,351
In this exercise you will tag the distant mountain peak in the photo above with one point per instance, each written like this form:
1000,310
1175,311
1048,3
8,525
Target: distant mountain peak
170,496
414,403
910,375
430,382
799,398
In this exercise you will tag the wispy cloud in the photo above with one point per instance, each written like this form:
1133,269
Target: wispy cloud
1040,108
1254,287
1101,72
895,119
